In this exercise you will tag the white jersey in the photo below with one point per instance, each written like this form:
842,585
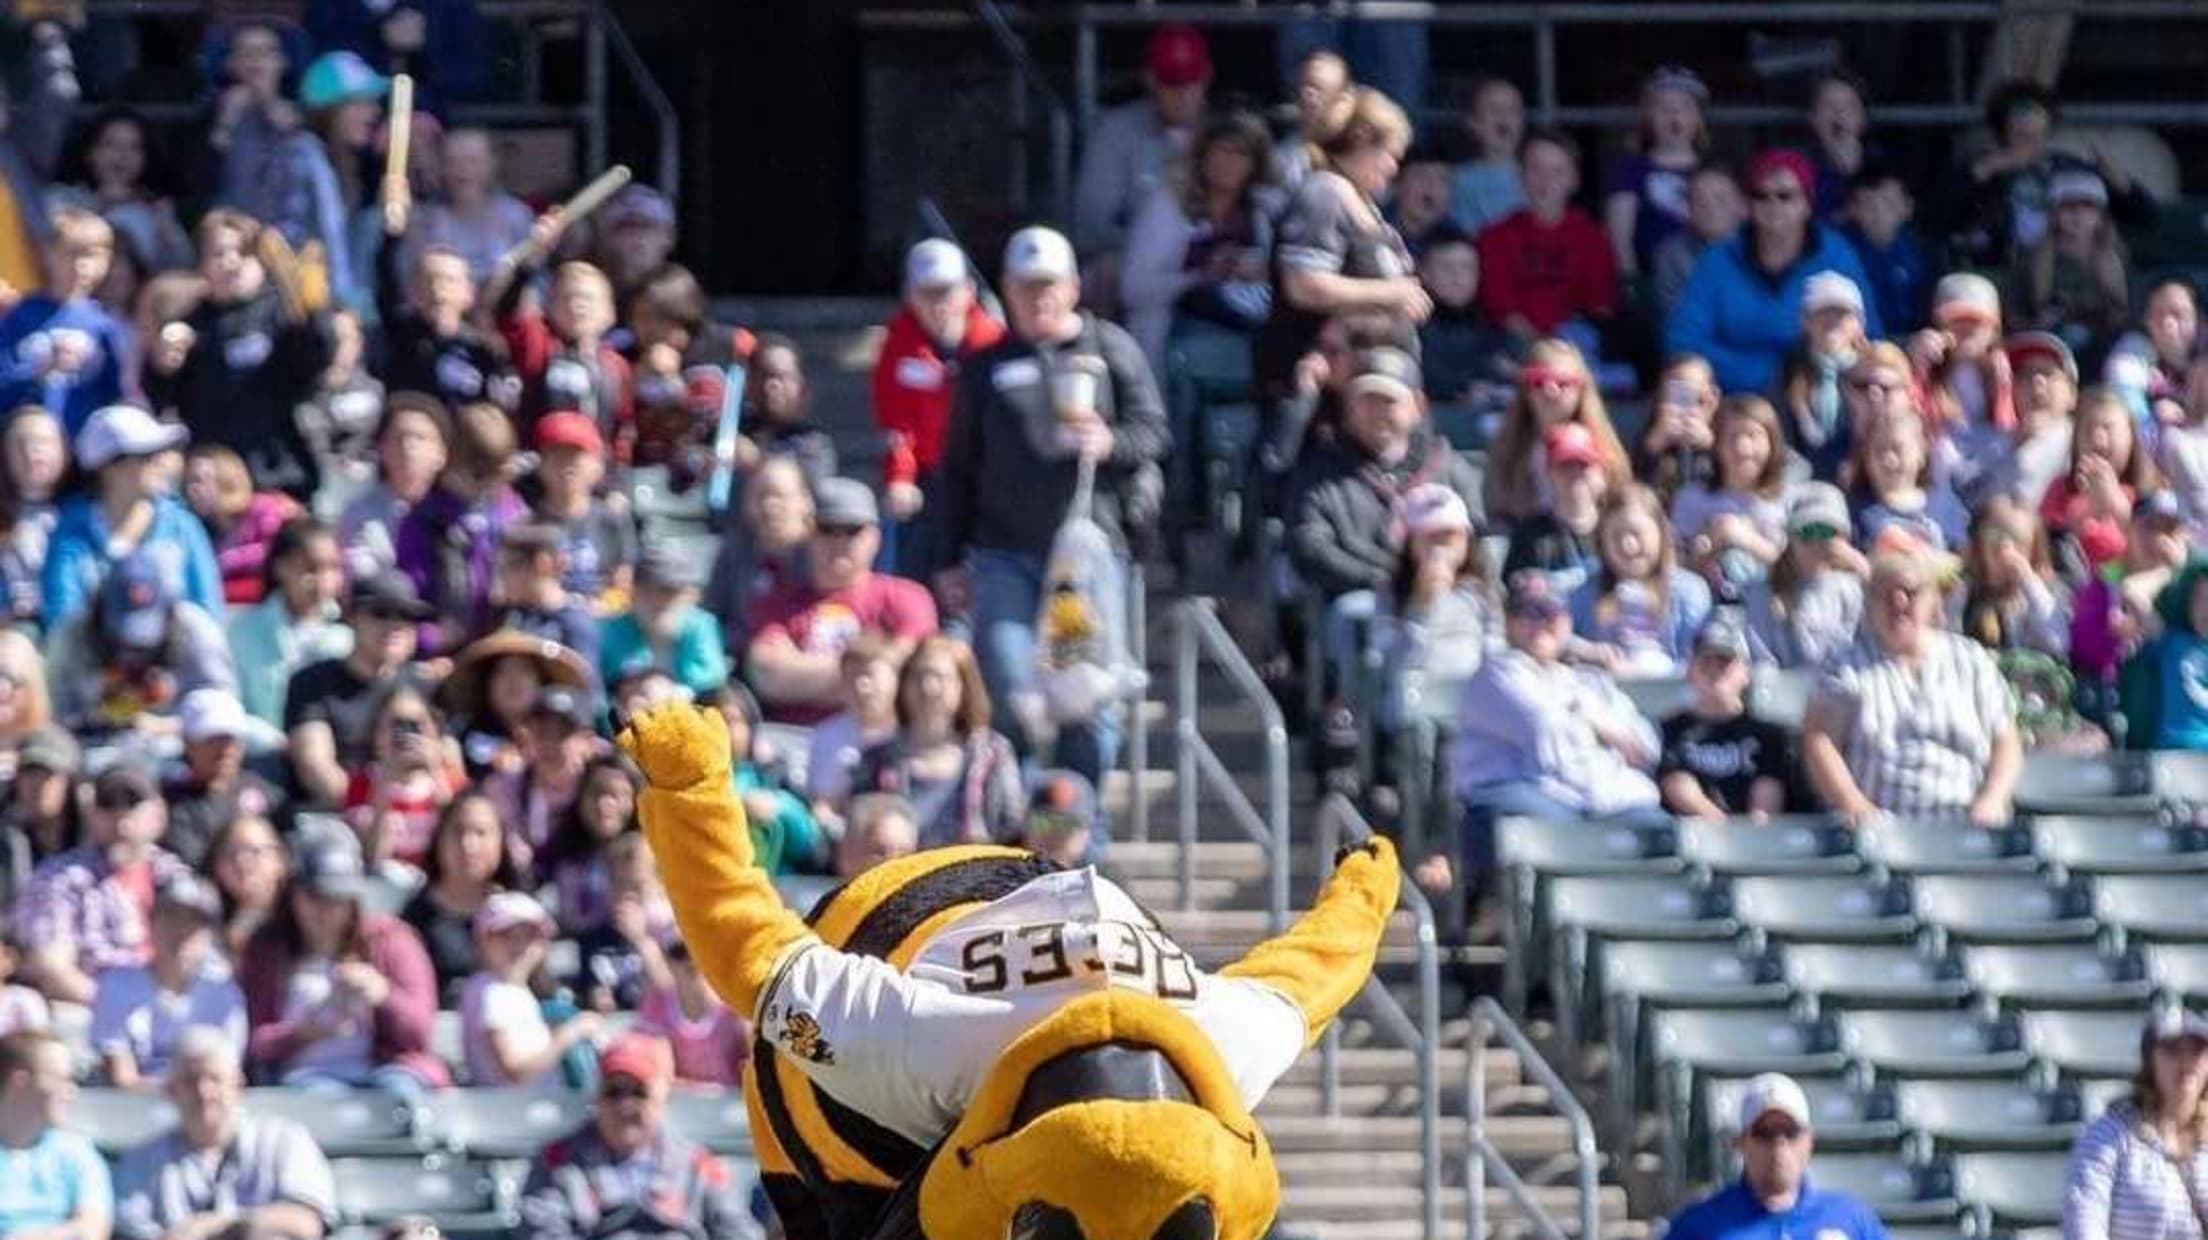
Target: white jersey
908,1049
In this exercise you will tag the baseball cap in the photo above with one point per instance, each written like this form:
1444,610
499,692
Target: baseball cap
1722,634
666,568
936,263
135,601
1569,443
1829,290
1817,503
126,786
390,595
331,867
640,1057
1678,78
1385,370
1177,55
2077,185
1039,253
1770,1092
2159,506
563,703
844,503
1968,294
2168,1024
208,713
340,77
569,429
1064,800
2024,346
1432,508
639,204
503,910
188,893
50,748
1531,595
115,432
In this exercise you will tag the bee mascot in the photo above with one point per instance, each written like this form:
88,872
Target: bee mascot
973,1043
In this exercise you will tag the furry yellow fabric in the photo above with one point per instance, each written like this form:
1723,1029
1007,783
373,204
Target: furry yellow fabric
1121,1167
1322,961
730,914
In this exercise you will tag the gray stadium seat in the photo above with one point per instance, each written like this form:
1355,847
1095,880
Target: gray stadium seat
1846,908
1932,1043
1531,852
1740,847
116,1119
2085,1044
2117,782
1781,695
2180,778
1945,846
2096,1096
714,1118
377,1190
1638,976
1658,697
2180,968
358,1123
447,1040
1875,975
1957,1115
2135,844
2011,1190
2163,907
1899,1192
2004,908
2057,975
503,1123
1585,911
1736,1042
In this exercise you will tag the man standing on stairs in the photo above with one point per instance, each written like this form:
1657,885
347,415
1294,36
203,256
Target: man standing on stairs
1773,1199
1061,386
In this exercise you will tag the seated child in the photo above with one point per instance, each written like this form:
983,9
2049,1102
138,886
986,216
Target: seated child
502,1021
1717,760
711,1041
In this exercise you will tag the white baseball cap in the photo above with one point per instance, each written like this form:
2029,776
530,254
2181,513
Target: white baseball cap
1829,290
206,713
119,431
935,263
1039,253
503,910
1431,508
1770,1092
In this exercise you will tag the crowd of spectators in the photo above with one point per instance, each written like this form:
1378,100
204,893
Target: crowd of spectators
329,572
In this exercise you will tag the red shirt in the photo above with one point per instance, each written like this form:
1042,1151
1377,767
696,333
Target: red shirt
825,623
1546,272
914,380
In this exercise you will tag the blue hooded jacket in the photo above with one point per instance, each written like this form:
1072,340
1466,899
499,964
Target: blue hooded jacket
1744,320
26,336
78,558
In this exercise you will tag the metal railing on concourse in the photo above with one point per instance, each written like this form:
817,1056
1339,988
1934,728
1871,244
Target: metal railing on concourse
1490,1020
1338,816
1198,633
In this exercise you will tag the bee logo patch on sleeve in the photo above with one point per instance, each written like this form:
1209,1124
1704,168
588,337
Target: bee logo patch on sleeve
801,1037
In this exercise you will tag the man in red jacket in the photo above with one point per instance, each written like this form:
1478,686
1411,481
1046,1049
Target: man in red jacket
1548,261
940,322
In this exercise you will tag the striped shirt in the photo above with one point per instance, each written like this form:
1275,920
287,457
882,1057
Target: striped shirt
2123,1184
1920,736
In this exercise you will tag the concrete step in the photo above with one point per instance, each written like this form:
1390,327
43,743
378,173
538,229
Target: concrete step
1501,1225
1372,1203
1517,1136
1366,1065
1369,1099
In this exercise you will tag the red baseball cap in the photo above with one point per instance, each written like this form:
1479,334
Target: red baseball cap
640,1056
569,429
1570,443
1177,55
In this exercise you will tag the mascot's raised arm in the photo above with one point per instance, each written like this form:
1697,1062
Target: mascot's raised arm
972,1043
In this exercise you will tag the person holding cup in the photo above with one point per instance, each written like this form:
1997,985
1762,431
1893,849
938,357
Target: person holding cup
1062,386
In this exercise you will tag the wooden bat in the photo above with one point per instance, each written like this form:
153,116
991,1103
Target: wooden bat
586,200
397,190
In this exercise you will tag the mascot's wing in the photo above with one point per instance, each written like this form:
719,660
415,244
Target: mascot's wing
731,916
1322,961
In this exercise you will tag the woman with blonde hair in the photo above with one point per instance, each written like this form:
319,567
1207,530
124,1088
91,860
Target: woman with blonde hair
2140,1171
1554,387
1638,614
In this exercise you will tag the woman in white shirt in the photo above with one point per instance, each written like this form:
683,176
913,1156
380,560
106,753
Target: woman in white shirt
2140,1171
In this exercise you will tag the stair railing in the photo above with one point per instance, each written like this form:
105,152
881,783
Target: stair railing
1337,816
1489,1020
1198,633
1029,81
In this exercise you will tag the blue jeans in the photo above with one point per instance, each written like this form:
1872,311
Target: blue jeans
1347,631
1007,590
1385,54
1524,799
391,1078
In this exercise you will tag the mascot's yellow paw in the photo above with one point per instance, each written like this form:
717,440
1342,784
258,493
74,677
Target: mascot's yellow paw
678,745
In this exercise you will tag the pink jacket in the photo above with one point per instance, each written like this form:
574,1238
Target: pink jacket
402,1024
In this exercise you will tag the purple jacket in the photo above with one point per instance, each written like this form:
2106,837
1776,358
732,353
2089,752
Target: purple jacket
450,550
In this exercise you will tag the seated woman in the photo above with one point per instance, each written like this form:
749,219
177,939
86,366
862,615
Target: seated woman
2132,1171
1913,720
945,758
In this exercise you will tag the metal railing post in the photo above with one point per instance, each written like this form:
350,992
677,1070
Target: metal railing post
1488,1019
1138,740
664,115
1186,739
594,86
1084,72
1544,65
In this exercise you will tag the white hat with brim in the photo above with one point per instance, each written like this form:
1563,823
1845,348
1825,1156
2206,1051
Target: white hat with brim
120,432
1770,1092
1039,253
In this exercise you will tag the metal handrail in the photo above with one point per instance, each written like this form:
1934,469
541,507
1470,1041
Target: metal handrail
1422,1036
664,115
1027,78
1198,632
1489,1019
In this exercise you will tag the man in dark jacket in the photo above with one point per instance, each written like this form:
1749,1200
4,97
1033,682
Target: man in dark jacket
1062,386
1345,527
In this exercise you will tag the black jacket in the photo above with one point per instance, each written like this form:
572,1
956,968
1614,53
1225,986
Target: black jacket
1345,528
249,370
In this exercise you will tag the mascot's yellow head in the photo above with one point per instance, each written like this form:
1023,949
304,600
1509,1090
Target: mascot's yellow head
1115,1119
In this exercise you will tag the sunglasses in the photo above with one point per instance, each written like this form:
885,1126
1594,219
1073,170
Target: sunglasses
1542,376
628,1091
1817,532
841,531
1776,195
1774,1134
